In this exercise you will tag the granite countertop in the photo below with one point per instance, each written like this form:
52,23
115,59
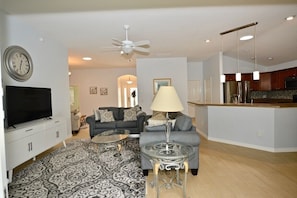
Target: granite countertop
270,105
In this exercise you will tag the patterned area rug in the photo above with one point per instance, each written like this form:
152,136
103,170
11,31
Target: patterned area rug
80,171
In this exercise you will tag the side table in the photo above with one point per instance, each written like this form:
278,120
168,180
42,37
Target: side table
168,156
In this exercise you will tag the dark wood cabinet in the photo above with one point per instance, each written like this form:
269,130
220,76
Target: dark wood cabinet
230,77
265,81
278,78
268,80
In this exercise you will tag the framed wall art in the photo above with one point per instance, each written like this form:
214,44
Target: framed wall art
103,91
93,90
158,82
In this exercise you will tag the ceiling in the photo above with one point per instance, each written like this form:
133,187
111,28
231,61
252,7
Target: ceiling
175,28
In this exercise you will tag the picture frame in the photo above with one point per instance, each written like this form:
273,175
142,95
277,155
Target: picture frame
93,90
158,82
103,91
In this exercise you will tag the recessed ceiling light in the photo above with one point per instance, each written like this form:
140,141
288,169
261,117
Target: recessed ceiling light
289,18
207,41
87,58
270,58
247,37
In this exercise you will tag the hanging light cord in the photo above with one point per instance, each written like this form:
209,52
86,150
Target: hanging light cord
255,54
237,52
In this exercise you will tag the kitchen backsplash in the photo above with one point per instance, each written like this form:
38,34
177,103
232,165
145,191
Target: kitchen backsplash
277,94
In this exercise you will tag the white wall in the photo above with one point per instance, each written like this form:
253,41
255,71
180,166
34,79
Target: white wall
230,66
211,76
50,64
149,69
101,78
3,180
195,85
283,66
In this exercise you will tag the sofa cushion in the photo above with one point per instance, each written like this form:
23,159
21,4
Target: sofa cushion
107,116
115,112
105,125
183,123
97,113
130,114
126,124
137,108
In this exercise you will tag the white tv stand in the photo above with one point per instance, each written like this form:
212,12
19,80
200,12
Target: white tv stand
29,139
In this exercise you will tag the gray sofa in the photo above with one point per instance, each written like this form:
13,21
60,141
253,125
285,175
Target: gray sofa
183,132
135,126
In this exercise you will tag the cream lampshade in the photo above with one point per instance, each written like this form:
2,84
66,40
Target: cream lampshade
167,100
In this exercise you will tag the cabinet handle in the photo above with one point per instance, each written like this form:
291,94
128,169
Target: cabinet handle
30,146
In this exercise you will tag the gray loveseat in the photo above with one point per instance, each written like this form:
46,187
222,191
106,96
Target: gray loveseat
135,126
183,132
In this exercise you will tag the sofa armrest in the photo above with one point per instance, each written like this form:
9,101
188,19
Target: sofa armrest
141,118
91,121
188,137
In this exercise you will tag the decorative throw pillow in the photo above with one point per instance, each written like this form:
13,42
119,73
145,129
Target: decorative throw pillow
159,115
183,123
97,113
153,122
130,114
107,116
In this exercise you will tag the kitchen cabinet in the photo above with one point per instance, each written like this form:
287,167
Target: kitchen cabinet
230,77
268,80
278,78
265,81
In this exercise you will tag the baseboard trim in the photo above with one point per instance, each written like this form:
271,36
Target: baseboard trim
262,148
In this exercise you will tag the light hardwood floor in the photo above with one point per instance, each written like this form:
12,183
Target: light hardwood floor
228,171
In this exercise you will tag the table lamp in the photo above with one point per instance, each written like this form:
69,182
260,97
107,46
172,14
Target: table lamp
167,100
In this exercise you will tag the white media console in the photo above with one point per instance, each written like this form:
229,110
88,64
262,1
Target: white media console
27,140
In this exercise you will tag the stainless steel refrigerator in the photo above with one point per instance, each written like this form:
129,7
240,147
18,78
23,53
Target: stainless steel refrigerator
237,92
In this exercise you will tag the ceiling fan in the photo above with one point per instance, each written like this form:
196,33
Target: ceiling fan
128,46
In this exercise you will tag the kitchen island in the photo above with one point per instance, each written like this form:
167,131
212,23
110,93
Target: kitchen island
268,127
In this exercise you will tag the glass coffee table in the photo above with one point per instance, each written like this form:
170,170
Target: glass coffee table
168,156
111,139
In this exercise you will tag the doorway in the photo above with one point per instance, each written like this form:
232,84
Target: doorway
127,91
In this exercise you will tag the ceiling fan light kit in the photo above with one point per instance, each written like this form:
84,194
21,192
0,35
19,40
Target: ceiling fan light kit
126,46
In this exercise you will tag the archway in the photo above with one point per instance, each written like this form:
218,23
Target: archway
127,91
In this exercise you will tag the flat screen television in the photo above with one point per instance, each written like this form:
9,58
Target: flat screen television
25,104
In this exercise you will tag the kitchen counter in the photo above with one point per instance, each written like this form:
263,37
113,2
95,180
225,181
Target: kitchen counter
271,105
265,126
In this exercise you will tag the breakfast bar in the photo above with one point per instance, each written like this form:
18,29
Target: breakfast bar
262,126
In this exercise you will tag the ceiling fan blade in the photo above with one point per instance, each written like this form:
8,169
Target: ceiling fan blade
141,43
116,41
141,49
117,44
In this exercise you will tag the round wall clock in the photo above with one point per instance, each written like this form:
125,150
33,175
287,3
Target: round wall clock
18,63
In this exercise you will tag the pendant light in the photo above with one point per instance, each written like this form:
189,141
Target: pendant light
129,81
222,77
238,74
256,73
